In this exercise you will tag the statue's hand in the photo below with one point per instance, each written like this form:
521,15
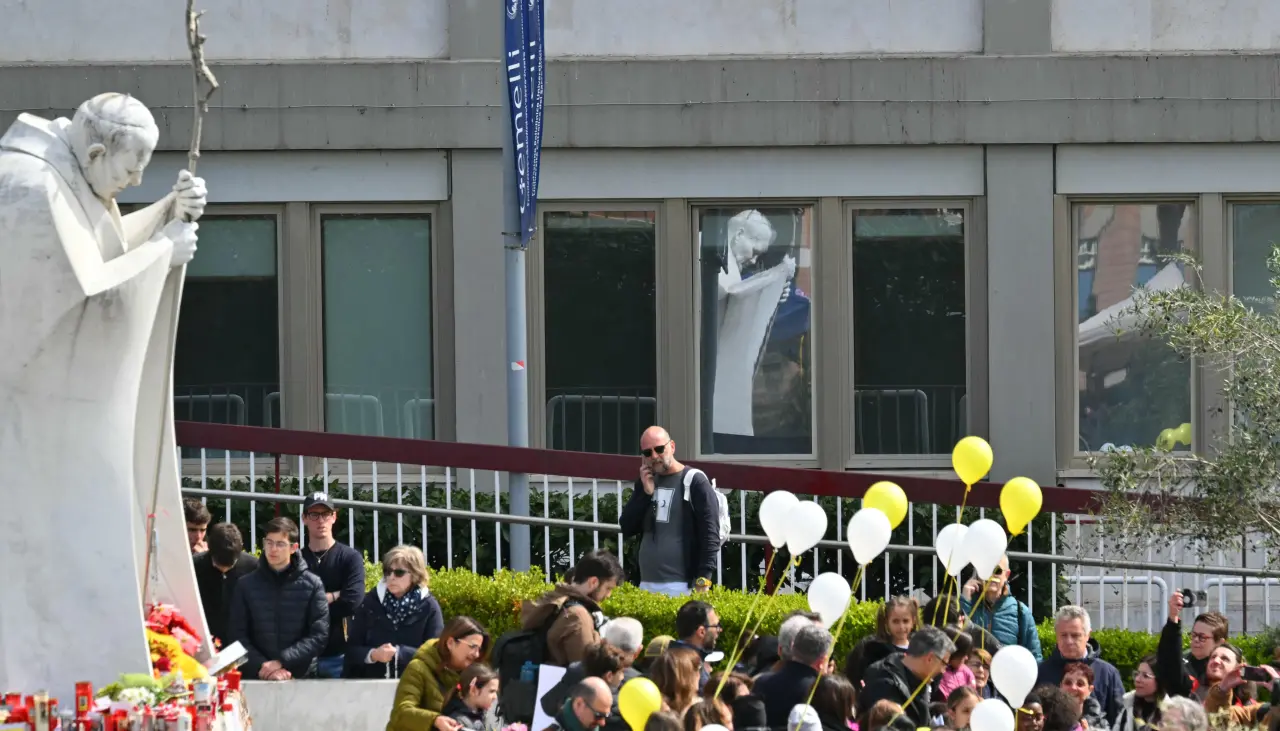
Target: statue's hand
183,236
192,197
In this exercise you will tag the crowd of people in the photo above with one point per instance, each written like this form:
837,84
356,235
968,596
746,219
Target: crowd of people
302,611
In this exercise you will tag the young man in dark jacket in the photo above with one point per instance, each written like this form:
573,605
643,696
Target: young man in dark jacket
679,539
279,612
218,572
896,677
341,570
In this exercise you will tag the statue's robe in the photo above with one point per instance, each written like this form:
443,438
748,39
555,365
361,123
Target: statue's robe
88,318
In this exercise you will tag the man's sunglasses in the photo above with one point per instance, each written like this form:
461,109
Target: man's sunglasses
654,450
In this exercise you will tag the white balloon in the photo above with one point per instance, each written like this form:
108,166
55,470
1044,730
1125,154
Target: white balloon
806,525
984,546
949,545
1013,670
992,715
774,510
869,533
829,596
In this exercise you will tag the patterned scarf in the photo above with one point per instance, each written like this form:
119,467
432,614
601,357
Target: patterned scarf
404,610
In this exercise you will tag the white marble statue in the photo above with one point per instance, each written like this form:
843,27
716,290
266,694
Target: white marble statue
746,308
88,316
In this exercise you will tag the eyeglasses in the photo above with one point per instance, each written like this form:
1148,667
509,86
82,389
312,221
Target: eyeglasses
318,514
282,545
712,626
398,573
1144,675
660,449
1201,637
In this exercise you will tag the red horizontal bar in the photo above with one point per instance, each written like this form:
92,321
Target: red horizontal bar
497,458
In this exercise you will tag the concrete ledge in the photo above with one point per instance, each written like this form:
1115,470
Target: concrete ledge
698,102
303,705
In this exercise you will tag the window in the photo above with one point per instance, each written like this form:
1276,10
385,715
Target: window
909,333
1255,229
755,347
377,324
600,326
227,357
1129,388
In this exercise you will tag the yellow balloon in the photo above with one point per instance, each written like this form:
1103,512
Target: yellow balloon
638,699
889,499
971,459
1183,434
1020,501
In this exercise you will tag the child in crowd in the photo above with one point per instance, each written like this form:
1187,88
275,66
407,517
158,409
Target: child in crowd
476,693
1077,683
896,620
836,701
960,705
957,673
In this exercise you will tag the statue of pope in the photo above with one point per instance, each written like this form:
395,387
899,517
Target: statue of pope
88,316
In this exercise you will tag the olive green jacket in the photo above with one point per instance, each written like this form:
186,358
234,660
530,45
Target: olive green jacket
424,686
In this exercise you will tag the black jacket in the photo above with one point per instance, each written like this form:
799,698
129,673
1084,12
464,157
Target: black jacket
869,651
890,680
280,615
1178,674
371,627
217,588
784,690
701,522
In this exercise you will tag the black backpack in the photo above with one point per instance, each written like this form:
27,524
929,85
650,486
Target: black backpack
518,692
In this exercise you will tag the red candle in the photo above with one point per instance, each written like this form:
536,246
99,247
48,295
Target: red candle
84,699
233,680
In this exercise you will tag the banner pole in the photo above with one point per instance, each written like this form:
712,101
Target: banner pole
524,67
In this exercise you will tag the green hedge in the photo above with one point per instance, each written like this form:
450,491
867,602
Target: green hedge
495,602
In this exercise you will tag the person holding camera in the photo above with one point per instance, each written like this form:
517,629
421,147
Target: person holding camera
1004,617
1183,675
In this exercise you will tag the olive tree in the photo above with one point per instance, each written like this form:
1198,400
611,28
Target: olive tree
1232,487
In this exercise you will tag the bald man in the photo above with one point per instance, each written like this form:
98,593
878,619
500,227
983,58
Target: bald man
589,705
679,529
88,308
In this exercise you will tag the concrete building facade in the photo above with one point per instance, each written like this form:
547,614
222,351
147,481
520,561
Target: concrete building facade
829,233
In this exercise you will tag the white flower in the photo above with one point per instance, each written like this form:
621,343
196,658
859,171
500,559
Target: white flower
138,696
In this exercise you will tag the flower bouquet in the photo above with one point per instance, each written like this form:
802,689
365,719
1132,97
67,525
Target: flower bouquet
173,642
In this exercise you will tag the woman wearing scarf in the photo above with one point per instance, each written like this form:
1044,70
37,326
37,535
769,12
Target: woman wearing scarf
395,619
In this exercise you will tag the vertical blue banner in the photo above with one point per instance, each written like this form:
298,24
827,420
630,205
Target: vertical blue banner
526,73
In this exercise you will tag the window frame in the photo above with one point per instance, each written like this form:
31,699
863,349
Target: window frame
817,266
1209,227
315,270
190,466
976,315
536,304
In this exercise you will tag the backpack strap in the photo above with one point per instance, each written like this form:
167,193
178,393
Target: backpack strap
689,474
1022,627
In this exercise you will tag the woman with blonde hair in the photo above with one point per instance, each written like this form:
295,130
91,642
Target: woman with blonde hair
395,619
676,674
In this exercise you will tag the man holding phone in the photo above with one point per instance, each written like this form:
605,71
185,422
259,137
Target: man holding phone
679,537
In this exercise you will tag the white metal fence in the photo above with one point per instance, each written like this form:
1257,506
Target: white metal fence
459,519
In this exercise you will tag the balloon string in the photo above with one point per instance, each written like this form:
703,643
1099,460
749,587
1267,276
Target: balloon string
835,640
738,648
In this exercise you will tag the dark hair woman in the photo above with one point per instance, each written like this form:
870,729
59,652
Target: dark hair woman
435,669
